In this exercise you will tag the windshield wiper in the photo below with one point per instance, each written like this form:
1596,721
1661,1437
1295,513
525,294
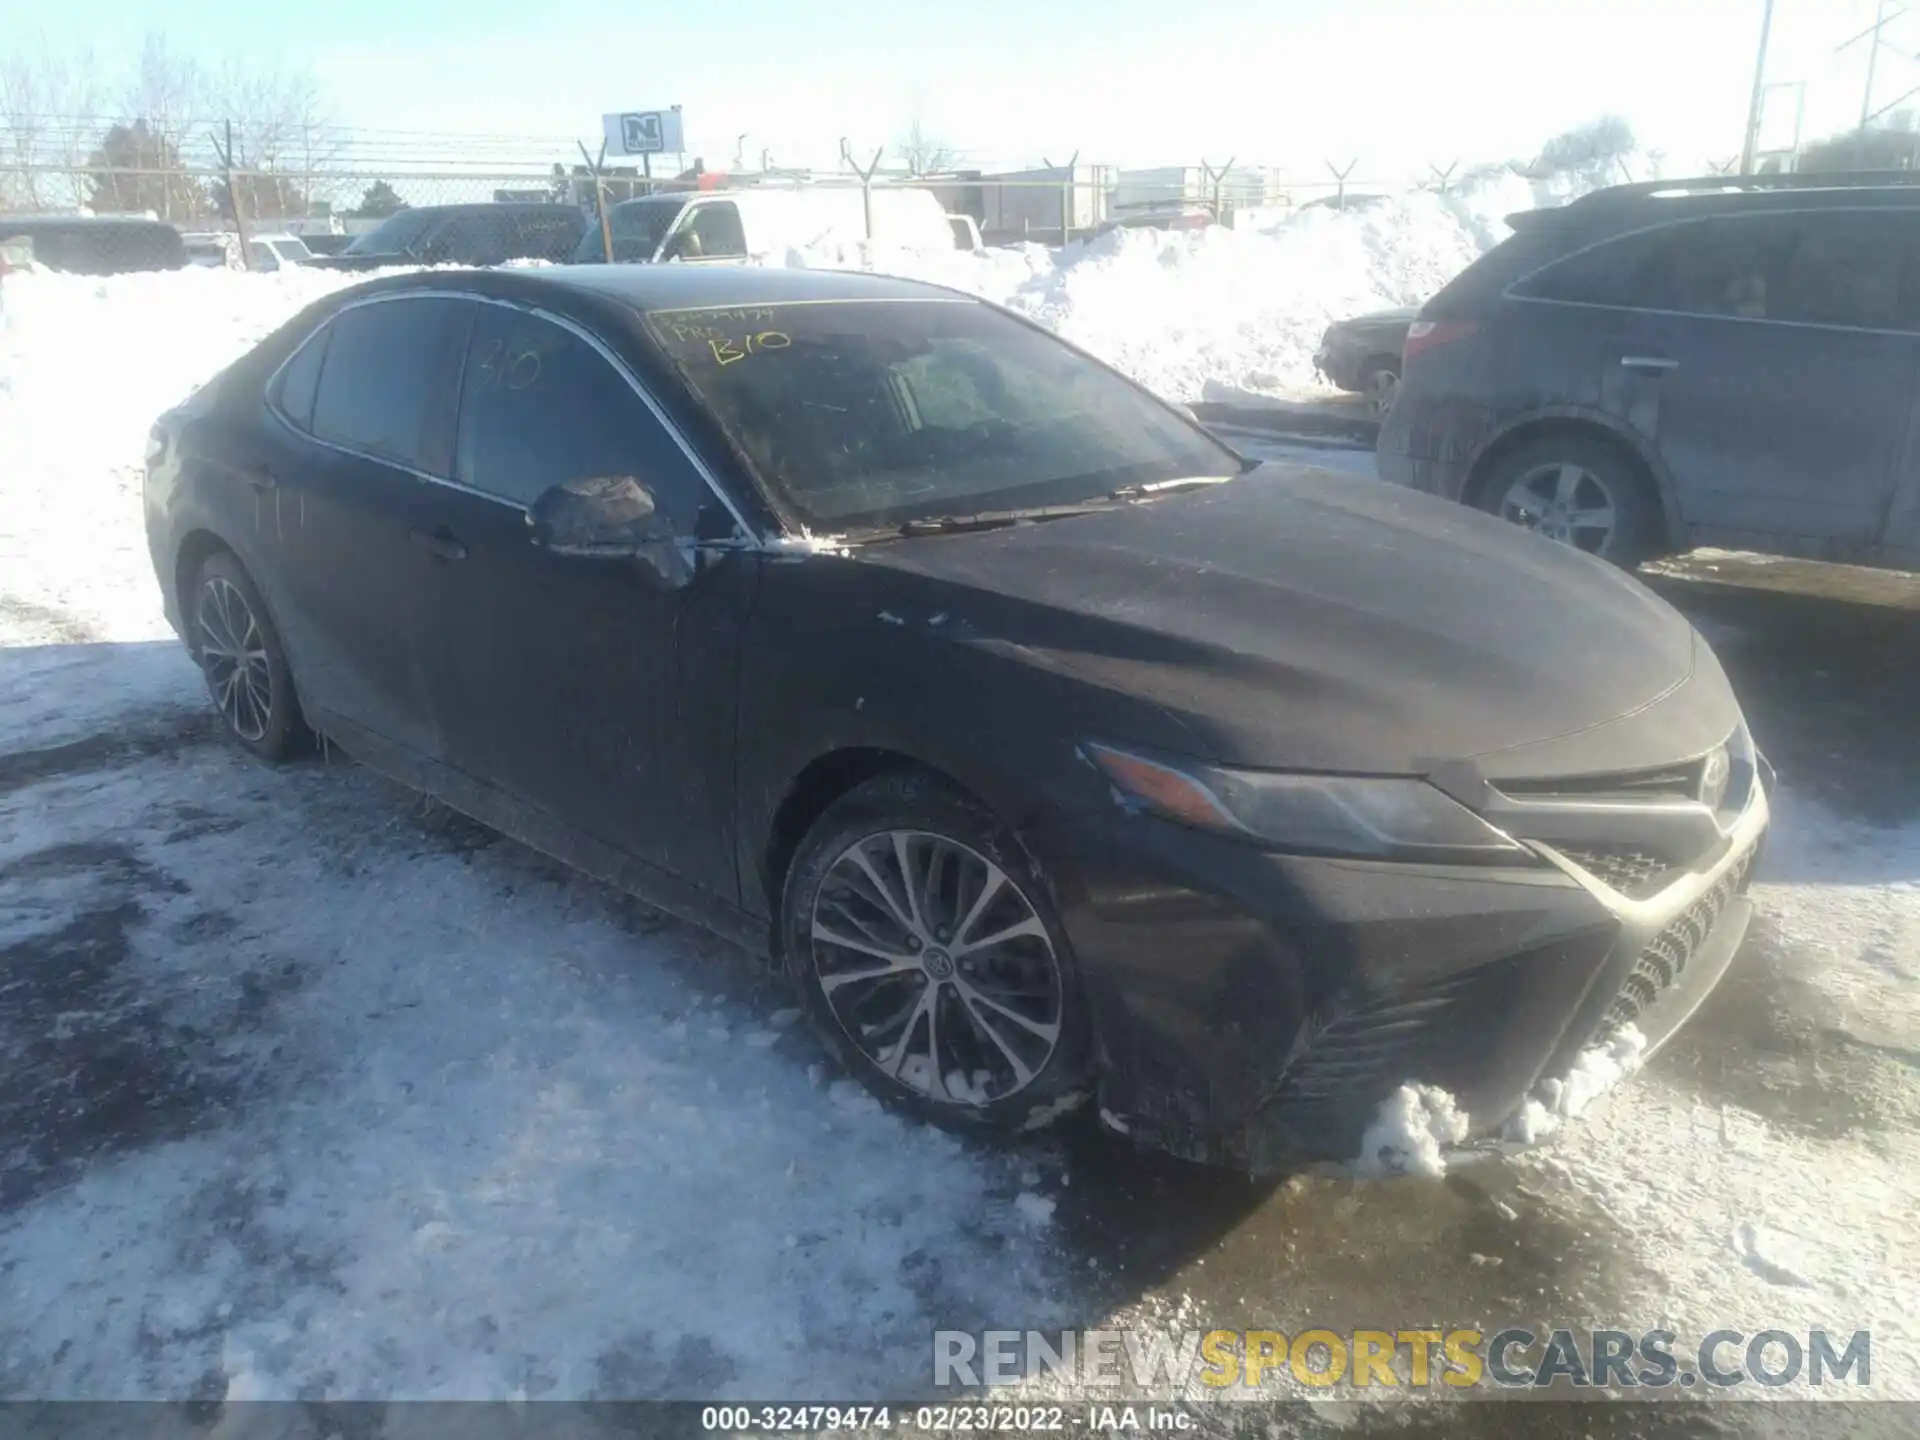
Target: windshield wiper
1167,487
994,519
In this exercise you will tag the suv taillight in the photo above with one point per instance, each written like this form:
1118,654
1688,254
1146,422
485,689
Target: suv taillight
1425,335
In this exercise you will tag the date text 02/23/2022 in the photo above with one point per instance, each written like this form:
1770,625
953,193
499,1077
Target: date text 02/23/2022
940,1419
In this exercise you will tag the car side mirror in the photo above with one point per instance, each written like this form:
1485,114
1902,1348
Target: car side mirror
610,517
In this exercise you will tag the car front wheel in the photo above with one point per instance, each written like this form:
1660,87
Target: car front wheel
244,663
931,961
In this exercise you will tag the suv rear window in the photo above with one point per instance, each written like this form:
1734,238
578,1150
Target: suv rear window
1623,273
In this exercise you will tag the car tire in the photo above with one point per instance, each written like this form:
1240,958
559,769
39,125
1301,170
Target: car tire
239,651
1568,476
1379,383
1006,1022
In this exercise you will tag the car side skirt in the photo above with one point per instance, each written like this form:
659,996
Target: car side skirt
539,830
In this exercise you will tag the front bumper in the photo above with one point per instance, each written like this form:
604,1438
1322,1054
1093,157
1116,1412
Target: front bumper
1253,1009
1338,368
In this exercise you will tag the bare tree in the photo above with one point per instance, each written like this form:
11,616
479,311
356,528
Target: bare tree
48,101
1594,149
166,92
281,134
923,151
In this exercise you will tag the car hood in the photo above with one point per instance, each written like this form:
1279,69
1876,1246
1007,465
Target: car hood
361,261
1382,318
1299,618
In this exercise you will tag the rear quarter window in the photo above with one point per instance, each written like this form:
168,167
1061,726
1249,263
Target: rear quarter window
299,381
1626,272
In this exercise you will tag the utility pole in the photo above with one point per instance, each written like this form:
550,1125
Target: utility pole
1872,34
1759,91
1873,62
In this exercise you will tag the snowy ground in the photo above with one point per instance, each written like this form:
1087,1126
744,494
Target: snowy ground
307,1087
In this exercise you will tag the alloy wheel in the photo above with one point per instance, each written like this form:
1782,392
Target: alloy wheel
233,656
1563,501
937,966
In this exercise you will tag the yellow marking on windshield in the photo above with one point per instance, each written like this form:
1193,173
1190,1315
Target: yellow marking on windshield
726,351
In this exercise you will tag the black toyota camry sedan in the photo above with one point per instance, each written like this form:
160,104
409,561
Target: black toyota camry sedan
1056,752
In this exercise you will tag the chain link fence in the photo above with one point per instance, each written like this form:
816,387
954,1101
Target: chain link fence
144,196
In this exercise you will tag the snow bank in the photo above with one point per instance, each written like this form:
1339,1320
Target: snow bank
1215,311
86,365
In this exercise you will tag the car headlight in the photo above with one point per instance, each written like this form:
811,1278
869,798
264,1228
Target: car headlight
1361,816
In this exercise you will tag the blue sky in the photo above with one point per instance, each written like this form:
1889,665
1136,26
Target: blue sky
1280,82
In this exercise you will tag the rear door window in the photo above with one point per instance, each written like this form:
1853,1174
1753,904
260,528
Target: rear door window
1855,268
387,385
539,407
1730,265
300,380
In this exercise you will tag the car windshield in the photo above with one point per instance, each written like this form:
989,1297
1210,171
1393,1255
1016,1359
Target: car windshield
291,249
393,235
637,229
864,415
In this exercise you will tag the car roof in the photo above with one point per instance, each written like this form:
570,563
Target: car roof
641,288
1652,201
21,224
493,207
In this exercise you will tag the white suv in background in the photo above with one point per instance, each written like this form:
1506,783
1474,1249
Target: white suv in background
275,252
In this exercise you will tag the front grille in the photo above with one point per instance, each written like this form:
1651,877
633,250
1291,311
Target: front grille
1635,873
1666,957
1667,782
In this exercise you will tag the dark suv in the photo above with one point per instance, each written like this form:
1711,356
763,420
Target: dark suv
1661,366
96,245
483,234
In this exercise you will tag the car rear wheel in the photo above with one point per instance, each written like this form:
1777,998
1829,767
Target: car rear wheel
932,964
244,663
1579,491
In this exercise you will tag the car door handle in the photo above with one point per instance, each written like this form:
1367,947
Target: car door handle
260,479
1648,362
438,543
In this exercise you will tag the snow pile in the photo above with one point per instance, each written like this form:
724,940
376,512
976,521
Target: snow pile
86,365
1210,313
1411,1131
1598,1069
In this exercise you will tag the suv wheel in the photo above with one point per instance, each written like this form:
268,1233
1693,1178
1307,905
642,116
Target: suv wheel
931,960
1579,491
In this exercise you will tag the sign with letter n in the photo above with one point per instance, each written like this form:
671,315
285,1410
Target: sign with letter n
645,132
